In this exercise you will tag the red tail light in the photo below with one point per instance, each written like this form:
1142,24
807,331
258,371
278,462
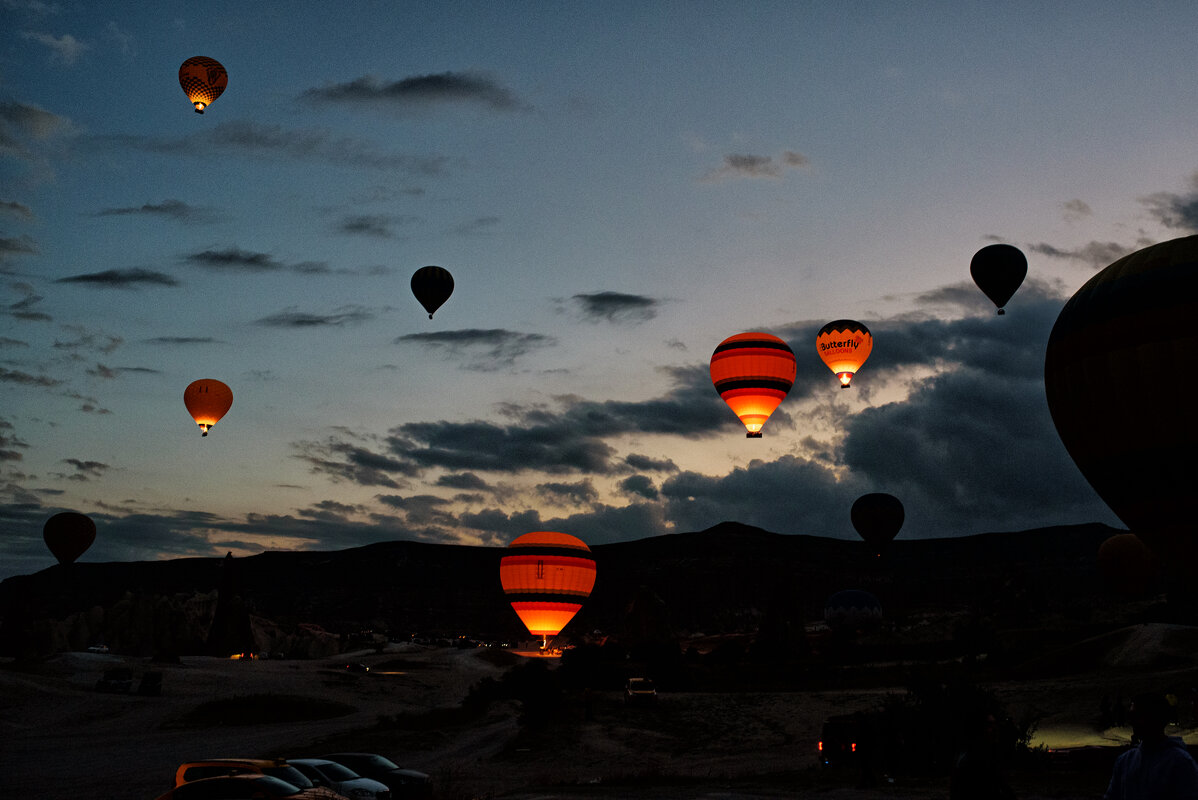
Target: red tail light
821,747
853,747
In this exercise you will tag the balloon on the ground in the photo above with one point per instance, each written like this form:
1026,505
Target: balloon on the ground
877,518
1127,565
843,345
68,534
203,79
207,400
852,609
1119,377
432,287
753,373
998,270
546,576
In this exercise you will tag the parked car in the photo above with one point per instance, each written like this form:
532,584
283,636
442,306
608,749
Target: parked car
341,778
639,691
244,786
98,648
276,768
404,783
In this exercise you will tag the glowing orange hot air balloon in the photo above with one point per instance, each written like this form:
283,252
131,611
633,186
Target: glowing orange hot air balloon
68,534
844,345
546,576
753,373
203,79
207,400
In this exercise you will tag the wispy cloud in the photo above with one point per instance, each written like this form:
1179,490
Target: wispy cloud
16,209
753,166
169,209
1177,211
616,307
64,49
25,379
291,318
484,349
1093,254
234,259
420,91
379,226
183,340
121,279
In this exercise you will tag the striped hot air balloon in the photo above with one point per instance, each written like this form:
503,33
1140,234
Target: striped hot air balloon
546,576
1119,375
753,372
844,345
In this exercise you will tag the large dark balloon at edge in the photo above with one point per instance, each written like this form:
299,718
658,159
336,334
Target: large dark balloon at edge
68,534
1119,376
432,287
998,270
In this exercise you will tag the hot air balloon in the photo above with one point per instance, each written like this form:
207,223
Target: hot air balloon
1119,374
203,79
998,270
852,609
207,400
1127,565
432,287
68,534
546,575
877,517
844,345
753,373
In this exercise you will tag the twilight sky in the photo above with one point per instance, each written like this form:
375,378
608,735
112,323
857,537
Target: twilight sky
616,187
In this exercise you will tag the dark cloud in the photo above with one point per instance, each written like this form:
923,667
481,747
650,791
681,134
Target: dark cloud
290,318
85,470
7,342
102,371
482,349
25,379
353,462
479,226
122,279
9,442
88,340
22,245
183,340
579,493
751,166
21,121
234,259
274,141
643,463
169,209
1093,254
376,225
1177,211
420,91
639,486
616,307
15,209
22,309
463,480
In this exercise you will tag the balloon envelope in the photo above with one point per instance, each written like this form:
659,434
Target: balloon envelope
432,287
877,518
1127,565
207,400
844,344
203,79
546,575
68,534
1119,374
753,372
998,270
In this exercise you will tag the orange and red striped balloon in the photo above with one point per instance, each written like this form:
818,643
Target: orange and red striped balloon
546,576
753,373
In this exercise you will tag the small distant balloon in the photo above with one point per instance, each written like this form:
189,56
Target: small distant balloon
877,518
207,400
203,79
68,534
546,576
753,373
432,287
998,270
844,345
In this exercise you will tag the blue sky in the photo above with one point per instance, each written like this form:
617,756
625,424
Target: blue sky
616,188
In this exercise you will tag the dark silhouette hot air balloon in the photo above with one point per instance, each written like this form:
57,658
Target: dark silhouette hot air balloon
1127,565
877,517
432,287
546,575
203,79
68,534
207,400
844,345
753,373
998,270
1119,376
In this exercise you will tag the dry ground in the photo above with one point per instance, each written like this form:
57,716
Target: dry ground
61,739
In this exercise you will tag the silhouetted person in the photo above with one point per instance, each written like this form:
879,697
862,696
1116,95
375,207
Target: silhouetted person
978,774
1159,767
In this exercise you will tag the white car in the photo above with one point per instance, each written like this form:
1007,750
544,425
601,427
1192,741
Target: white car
341,779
